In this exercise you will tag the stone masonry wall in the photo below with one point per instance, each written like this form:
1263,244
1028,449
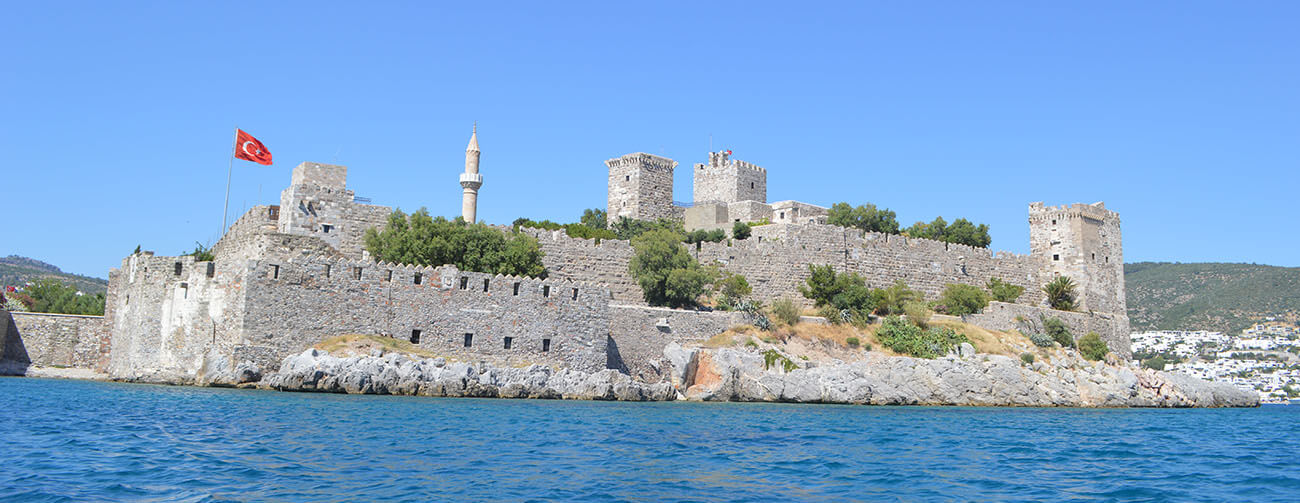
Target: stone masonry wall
1113,328
1083,242
53,340
639,334
318,204
728,181
640,187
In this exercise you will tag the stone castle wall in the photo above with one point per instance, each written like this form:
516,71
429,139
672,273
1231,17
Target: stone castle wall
641,187
723,180
638,335
317,203
52,340
1083,242
1112,327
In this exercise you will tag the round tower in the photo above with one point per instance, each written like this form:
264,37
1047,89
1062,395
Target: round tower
470,180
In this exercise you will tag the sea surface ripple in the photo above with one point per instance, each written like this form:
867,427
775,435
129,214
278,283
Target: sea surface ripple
92,441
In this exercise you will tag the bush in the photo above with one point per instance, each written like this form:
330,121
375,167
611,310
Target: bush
1056,329
961,232
628,229
843,291
907,338
702,236
1003,291
594,218
960,299
1060,293
785,311
201,253
49,295
754,314
1041,340
853,342
1092,347
917,313
865,217
732,287
831,314
772,356
1028,358
888,301
427,241
1155,363
666,272
583,231
741,230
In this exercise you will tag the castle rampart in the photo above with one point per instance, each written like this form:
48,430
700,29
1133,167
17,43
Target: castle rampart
51,340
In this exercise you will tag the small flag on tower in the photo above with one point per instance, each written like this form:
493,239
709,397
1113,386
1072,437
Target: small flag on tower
249,149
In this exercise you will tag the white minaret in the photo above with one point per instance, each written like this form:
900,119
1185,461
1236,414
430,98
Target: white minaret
471,180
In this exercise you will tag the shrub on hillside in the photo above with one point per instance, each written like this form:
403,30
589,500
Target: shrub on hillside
961,299
1028,358
891,300
853,342
831,314
1040,339
907,338
1003,291
1092,347
1156,362
1060,293
917,313
846,291
785,311
1056,329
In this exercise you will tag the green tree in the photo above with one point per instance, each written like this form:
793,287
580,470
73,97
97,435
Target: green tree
1155,363
866,217
666,272
958,299
891,300
961,231
732,287
741,230
423,240
1092,347
628,229
845,291
49,295
1057,331
1003,291
594,218
1060,293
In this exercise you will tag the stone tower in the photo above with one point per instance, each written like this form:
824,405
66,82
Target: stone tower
640,187
1081,241
470,180
723,180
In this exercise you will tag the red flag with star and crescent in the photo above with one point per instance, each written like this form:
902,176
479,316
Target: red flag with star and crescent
249,149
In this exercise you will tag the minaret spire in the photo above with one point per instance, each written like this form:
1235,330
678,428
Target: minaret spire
471,180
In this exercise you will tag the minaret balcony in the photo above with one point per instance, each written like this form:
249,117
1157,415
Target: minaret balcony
471,180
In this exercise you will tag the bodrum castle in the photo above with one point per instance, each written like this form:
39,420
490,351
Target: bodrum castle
286,277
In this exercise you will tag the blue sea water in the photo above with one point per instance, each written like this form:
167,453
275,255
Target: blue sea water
91,441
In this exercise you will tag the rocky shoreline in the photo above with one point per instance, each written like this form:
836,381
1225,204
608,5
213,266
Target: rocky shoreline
725,374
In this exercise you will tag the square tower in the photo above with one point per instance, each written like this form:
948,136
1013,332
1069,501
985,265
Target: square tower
640,187
723,180
1081,241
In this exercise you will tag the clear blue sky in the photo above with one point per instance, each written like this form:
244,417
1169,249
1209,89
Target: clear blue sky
117,119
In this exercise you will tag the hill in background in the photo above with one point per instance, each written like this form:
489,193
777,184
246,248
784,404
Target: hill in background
1210,296
16,270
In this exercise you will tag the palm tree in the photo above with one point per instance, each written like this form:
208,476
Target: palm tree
1060,293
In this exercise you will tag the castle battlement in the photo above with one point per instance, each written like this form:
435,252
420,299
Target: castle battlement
642,160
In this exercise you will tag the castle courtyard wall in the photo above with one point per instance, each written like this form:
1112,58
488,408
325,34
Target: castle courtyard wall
52,340
638,335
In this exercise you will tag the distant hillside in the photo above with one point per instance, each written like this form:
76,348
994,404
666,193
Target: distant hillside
1221,297
15,270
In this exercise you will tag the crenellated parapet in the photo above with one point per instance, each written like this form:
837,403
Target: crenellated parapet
640,187
1084,243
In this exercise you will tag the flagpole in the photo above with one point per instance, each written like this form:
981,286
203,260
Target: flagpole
225,207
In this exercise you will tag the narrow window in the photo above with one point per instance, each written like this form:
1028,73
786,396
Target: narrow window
1107,260
178,268
485,284
390,275
782,217
185,290
1056,257
327,270
546,345
1053,222
508,341
546,291
464,282
1094,257
275,272
469,340
212,269
516,288
751,185
418,278
415,337
575,294
356,271
627,178
326,228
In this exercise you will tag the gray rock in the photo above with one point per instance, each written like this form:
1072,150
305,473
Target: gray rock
966,350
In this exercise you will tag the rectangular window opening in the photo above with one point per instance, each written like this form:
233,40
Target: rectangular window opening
1056,257
516,288
464,282
327,270
185,290
356,272
627,178
469,340
178,268
485,284
415,337
326,228
509,340
275,272
1094,256
418,278
575,294
389,277
546,291
212,269
546,345
1053,222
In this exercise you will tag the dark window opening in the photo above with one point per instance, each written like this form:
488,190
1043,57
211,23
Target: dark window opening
508,341
516,288
275,272
575,294
415,337
485,284
178,268
1053,222
546,345
418,278
1094,256
469,340
751,185
356,271
1107,260
627,178
1056,257
185,290
389,277
326,228
546,291
327,270
464,282
212,269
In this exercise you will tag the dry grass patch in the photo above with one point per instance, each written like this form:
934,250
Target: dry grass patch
988,341
362,344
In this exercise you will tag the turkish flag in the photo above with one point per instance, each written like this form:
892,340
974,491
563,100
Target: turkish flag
249,149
